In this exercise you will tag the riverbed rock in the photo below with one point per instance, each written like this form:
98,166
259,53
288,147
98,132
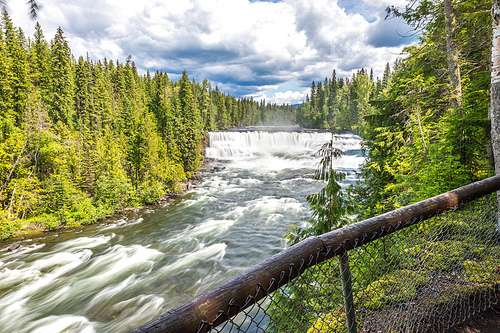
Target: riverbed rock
217,169
13,247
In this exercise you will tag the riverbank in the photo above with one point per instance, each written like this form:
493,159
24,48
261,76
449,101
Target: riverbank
32,227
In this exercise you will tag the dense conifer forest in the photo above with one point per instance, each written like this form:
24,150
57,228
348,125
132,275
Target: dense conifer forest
80,139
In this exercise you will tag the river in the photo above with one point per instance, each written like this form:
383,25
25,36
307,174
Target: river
117,275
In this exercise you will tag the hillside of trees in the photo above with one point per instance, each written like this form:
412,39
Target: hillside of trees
425,125
342,103
80,139
429,131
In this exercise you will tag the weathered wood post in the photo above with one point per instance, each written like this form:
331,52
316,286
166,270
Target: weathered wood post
346,277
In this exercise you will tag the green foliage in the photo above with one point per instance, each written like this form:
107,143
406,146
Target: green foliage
7,227
330,207
49,221
331,322
111,193
61,101
417,144
338,103
390,288
80,139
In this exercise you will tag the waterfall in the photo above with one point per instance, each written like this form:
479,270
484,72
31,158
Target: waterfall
244,145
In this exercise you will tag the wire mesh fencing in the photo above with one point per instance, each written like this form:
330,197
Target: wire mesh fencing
423,278
420,274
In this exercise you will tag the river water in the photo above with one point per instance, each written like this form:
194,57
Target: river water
117,275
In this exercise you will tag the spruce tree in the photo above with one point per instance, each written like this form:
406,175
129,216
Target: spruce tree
191,137
18,67
6,101
330,207
40,62
61,104
84,96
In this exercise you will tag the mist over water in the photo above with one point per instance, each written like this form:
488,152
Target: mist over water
118,275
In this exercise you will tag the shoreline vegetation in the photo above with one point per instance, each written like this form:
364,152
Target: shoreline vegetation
30,229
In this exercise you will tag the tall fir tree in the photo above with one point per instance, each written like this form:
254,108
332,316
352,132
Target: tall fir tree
191,120
61,104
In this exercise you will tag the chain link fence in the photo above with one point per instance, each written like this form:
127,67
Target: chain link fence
425,274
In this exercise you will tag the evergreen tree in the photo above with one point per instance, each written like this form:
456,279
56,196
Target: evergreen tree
331,206
87,119
6,101
40,62
102,100
190,127
18,68
61,104
206,107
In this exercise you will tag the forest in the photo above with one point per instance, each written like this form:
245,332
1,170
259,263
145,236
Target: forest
80,139
425,124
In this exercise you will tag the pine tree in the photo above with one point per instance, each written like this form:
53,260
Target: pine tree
330,207
40,62
18,67
206,107
386,76
6,101
191,137
84,96
101,93
61,104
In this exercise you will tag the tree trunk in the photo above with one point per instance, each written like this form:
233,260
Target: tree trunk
452,55
495,92
420,127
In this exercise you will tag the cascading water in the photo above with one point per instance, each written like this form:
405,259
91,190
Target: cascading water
117,275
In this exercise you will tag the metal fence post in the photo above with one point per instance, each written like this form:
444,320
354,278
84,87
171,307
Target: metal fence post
345,274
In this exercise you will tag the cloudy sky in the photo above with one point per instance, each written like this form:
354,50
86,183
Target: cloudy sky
264,49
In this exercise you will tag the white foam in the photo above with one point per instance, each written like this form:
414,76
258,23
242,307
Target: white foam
37,277
230,145
266,205
22,251
119,262
64,323
249,181
211,227
134,310
83,243
111,290
212,252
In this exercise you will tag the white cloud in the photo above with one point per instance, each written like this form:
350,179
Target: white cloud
289,97
250,48
384,3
